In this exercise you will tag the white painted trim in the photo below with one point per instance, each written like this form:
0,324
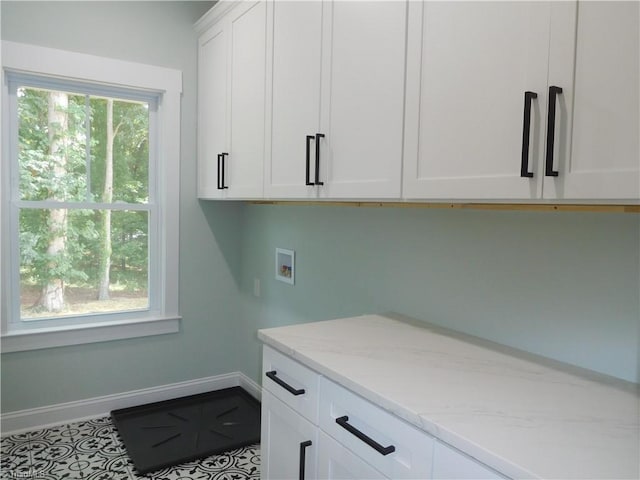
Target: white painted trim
41,417
26,339
250,386
22,57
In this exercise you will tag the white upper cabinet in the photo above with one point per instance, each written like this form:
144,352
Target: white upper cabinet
469,68
231,104
468,74
595,50
362,112
336,124
294,86
212,108
462,101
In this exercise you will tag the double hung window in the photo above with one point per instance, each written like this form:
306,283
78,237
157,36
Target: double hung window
87,222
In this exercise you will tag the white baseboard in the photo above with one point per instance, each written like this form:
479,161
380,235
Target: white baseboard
34,418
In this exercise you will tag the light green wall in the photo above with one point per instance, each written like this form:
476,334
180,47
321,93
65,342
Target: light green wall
563,285
157,33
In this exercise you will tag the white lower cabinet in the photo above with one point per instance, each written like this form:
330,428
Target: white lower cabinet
450,464
335,462
314,428
288,444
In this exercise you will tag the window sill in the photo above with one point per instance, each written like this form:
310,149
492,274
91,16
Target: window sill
23,340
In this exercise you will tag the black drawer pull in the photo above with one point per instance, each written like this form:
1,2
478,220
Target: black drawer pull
551,131
318,137
285,385
303,448
309,138
343,422
526,133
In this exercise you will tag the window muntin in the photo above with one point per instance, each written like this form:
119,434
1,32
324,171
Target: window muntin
63,211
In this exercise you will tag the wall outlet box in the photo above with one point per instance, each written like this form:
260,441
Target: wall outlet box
285,265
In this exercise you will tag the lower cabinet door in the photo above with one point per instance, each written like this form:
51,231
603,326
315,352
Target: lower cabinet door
289,445
337,462
449,464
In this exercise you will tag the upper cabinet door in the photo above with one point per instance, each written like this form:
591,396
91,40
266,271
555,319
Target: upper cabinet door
212,108
363,73
294,86
246,77
469,65
595,47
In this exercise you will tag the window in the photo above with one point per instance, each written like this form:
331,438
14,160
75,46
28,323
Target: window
89,207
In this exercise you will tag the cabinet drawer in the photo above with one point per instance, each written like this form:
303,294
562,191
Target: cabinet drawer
381,439
450,464
291,382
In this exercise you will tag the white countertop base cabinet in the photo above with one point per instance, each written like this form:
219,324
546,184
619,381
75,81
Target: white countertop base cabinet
449,464
338,463
284,433
454,406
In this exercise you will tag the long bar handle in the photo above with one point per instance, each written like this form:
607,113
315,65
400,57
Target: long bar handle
551,131
343,422
222,185
526,133
303,450
219,187
318,137
308,142
293,391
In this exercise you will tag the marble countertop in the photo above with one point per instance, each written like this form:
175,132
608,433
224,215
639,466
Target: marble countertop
523,415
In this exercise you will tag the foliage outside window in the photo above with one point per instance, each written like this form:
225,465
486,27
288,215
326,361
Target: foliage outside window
83,211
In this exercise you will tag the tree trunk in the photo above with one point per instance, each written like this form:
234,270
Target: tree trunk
107,197
52,294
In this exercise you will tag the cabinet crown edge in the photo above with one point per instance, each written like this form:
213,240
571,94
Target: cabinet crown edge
214,14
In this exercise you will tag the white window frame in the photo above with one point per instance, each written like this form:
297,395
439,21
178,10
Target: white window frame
162,317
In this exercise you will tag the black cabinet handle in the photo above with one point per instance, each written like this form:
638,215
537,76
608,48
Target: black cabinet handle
309,138
318,137
551,131
303,448
285,385
219,187
221,175
526,131
343,422
222,185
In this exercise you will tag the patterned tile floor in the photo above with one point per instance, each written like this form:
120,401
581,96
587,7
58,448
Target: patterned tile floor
92,450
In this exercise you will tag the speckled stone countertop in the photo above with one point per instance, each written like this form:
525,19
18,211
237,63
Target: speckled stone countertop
525,416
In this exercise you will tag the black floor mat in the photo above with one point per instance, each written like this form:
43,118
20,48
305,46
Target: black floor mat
163,434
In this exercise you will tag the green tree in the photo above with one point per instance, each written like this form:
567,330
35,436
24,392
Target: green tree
50,156
81,148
